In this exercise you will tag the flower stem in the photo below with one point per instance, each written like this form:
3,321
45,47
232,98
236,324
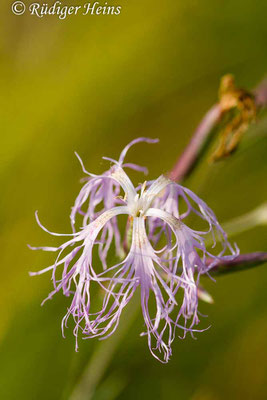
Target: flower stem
256,217
102,356
187,161
240,263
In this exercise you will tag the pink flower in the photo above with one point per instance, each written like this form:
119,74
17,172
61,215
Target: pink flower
154,216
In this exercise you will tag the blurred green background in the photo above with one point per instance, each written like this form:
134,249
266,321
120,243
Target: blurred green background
91,84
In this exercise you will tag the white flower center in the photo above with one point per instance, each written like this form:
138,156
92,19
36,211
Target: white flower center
139,204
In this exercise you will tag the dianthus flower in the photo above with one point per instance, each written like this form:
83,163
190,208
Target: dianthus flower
168,277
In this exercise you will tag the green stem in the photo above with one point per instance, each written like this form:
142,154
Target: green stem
254,218
99,362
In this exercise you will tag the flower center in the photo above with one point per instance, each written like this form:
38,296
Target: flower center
138,206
